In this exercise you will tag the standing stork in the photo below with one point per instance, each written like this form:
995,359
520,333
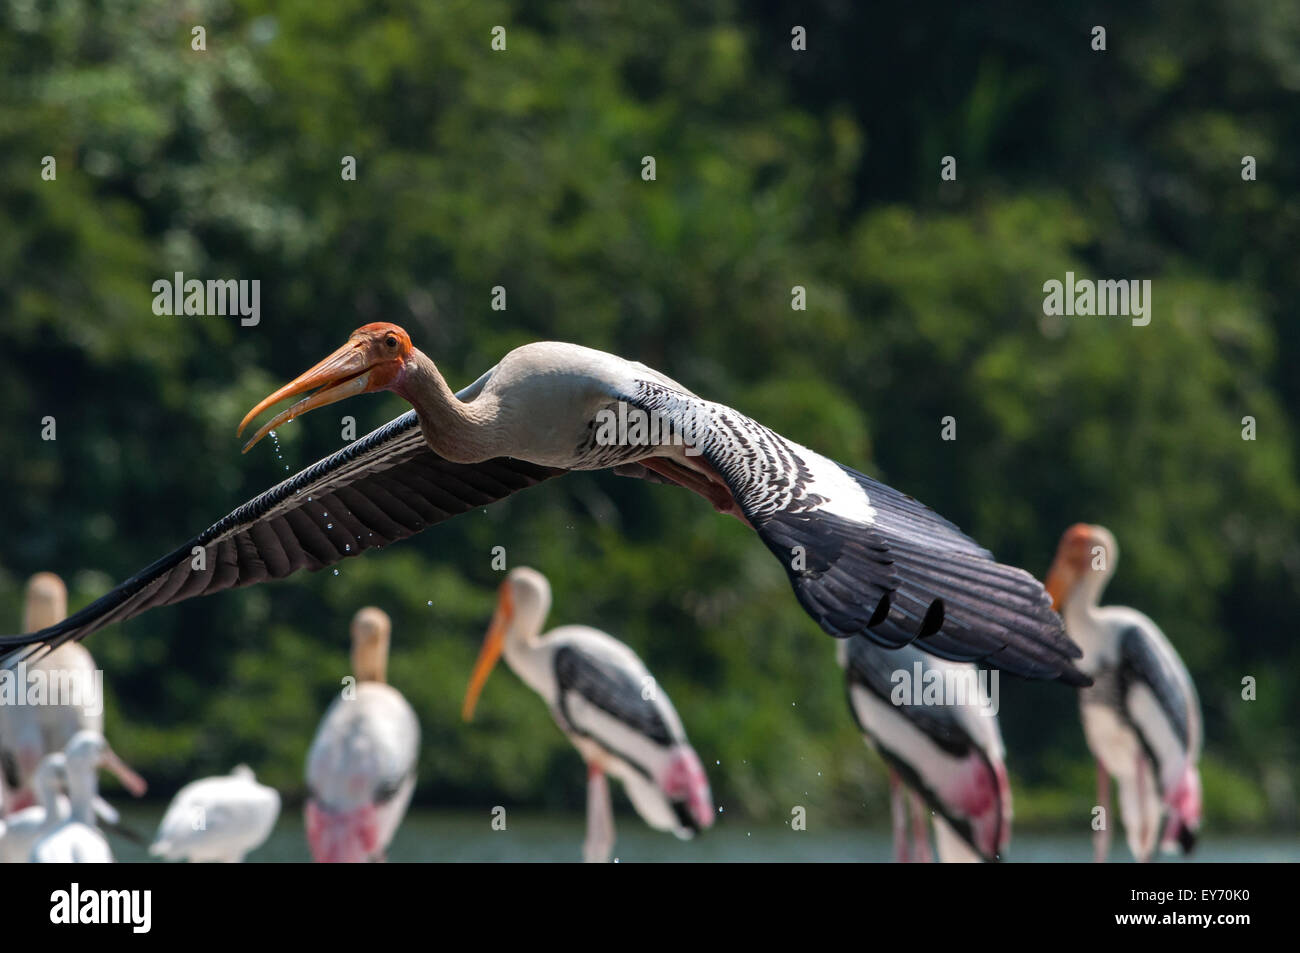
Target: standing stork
609,706
361,766
1142,717
947,759
862,558
218,819
29,732
75,839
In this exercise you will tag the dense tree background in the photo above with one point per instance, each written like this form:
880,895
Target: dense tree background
775,168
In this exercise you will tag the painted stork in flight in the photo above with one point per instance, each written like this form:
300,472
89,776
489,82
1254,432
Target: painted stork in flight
609,706
946,759
1141,716
217,819
863,558
29,732
361,766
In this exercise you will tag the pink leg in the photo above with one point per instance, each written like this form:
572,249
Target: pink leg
920,832
599,845
1101,838
898,814
1142,800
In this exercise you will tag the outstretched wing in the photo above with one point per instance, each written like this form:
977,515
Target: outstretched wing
863,558
384,487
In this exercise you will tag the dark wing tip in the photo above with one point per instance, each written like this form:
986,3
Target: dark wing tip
1070,675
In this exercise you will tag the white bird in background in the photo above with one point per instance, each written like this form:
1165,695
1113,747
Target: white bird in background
218,819
26,827
76,839
361,766
1142,717
29,732
610,707
947,759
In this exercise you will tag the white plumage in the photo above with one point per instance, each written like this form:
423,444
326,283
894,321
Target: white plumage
1141,716
947,757
29,732
217,819
24,828
75,839
610,707
361,766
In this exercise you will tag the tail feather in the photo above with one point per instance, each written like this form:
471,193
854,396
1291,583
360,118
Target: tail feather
687,787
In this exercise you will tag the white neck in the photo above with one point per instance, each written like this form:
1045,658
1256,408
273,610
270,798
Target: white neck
524,640
1082,608
81,793
47,792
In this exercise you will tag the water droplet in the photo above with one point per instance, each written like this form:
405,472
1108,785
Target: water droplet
329,525
336,572
429,603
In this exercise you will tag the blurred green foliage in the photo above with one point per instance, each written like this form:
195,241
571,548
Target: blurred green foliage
775,168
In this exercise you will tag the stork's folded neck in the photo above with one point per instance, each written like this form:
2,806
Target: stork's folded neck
460,431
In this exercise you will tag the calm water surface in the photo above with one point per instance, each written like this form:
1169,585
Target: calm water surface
428,835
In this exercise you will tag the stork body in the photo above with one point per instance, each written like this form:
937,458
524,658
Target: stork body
1141,716
25,827
76,839
608,705
946,758
861,557
361,766
74,702
218,819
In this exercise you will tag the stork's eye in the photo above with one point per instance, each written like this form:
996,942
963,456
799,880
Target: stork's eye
390,341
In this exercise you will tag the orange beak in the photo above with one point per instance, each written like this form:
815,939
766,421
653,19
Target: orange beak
130,780
345,373
490,652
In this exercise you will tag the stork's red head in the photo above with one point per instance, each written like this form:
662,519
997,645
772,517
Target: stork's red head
373,359
1083,549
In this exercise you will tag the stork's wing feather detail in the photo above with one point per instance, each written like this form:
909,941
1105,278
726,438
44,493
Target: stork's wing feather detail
610,689
1142,664
864,558
384,487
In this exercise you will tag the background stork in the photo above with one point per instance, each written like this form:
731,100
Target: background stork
862,557
361,766
946,759
218,819
25,827
1142,717
607,703
75,839
29,732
